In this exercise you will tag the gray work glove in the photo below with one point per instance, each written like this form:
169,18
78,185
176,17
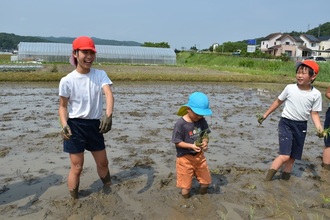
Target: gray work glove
105,124
66,132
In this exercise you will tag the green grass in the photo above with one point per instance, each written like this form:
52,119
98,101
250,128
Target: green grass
4,58
226,68
254,66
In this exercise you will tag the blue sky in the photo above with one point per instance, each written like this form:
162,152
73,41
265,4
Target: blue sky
180,23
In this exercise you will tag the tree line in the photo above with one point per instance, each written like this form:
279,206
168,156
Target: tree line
321,30
10,41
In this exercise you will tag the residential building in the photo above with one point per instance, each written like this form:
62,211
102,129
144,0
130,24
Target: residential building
269,41
305,45
324,48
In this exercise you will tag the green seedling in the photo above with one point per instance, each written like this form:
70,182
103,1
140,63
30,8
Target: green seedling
326,132
202,135
326,200
260,118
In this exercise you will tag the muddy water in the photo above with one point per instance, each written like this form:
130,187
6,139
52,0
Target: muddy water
142,158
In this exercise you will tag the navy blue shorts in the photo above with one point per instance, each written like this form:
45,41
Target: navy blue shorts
326,125
85,136
291,135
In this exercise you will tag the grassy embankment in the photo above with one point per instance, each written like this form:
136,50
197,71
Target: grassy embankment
190,67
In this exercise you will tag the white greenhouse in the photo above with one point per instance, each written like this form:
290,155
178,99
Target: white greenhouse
60,52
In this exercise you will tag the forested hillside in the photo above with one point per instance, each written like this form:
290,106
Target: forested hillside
68,40
10,41
322,30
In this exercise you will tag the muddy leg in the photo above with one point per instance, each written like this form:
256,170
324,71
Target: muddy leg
203,190
286,176
185,193
326,166
106,183
270,174
74,192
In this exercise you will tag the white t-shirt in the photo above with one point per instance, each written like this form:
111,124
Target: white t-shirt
299,103
85,93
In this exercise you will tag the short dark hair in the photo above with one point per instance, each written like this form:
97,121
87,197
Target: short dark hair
310,70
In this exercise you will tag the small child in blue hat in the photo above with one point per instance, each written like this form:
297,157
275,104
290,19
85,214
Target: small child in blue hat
190,136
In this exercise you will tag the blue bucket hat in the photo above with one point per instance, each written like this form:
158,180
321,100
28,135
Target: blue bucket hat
198,103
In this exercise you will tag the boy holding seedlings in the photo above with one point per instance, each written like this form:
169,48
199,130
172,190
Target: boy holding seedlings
301,101
190,136
80,111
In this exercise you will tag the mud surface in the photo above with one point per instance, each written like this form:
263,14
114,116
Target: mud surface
142,159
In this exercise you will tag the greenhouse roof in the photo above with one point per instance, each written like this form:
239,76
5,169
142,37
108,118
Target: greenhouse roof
105,53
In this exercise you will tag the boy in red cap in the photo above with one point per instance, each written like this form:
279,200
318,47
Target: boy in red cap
301,101
80,111
190,136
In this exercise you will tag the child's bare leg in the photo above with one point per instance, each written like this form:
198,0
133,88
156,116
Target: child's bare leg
326,158
185,193
288,165
279,161
286,174
102,163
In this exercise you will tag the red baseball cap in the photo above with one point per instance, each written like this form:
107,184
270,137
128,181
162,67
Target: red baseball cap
310,63
83,43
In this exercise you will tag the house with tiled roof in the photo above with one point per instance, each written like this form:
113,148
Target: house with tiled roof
269,41
310,41
324,47
285,44
305,45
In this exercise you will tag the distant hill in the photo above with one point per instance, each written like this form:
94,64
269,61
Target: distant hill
320,31
10,41
68,40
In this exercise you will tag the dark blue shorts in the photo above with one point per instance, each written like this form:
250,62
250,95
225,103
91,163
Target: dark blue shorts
291,135
326,125
85,136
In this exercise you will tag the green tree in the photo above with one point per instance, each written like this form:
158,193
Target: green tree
161,44
193,48
321,30
229,47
